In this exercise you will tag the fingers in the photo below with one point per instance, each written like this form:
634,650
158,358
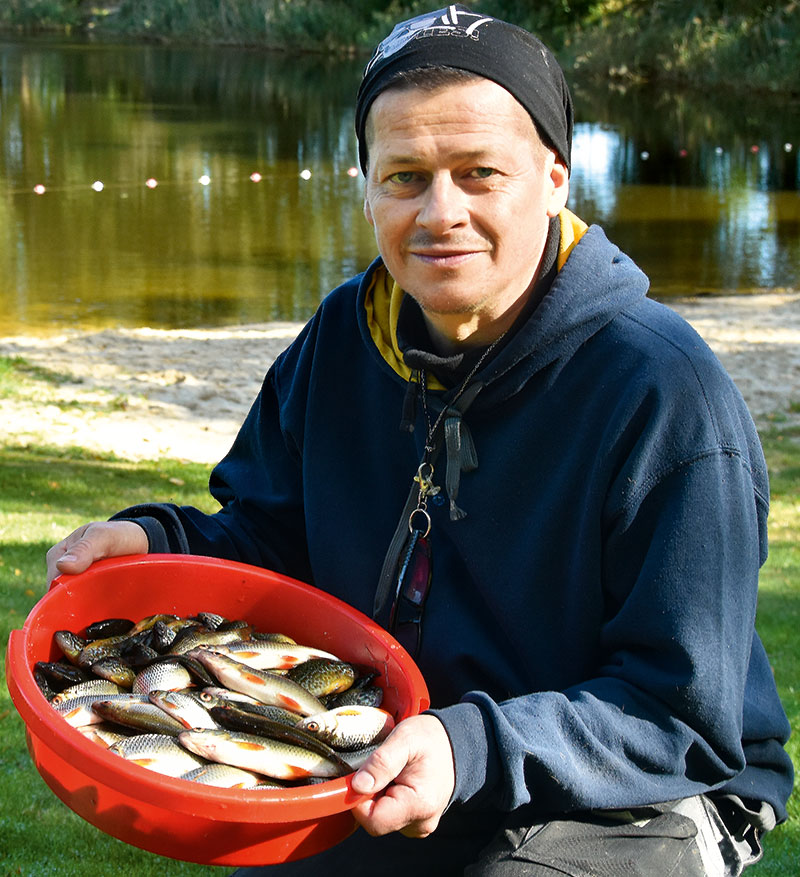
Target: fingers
93,542
411,777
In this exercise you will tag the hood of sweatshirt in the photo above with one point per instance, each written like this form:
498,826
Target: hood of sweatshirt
594,283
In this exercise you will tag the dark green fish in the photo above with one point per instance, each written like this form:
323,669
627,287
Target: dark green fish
61,674
43,684
115,669
70,644
322,676
364,695
109,627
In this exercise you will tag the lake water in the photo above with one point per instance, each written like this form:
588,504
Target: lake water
703,192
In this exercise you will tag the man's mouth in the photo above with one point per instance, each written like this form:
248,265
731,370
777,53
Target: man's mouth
445,256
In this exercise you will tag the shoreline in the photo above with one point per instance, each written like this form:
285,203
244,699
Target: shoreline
144,394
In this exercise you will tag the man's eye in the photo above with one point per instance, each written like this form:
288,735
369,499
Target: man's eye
481,173
402,177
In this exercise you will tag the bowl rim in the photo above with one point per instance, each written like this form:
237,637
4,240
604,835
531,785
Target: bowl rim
289,805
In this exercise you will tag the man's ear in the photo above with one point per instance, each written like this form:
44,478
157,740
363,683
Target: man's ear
559,179
368,212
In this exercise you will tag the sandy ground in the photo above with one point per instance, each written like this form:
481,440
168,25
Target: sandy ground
145,394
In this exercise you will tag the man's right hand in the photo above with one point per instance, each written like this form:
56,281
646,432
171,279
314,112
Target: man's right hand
93,542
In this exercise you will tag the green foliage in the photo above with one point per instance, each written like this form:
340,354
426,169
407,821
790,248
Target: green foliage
29,15
742,43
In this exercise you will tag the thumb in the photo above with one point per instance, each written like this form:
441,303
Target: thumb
384,765
93,542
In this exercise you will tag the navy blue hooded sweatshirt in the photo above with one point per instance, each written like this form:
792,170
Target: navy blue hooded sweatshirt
589,637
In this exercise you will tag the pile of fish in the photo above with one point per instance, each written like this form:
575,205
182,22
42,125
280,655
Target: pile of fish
216,701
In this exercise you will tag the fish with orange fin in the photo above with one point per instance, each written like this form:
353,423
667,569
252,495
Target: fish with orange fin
273,758
264,686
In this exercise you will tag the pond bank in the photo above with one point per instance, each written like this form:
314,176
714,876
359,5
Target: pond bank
754,47
146,394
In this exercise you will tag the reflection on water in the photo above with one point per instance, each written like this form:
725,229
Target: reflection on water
702,195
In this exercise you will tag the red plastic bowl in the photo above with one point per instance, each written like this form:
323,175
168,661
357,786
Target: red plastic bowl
173,817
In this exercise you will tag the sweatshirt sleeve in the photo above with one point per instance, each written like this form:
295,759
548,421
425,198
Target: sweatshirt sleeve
662,717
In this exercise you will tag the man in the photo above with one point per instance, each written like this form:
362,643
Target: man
543,482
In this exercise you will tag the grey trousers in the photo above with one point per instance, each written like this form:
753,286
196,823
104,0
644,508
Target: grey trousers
688,838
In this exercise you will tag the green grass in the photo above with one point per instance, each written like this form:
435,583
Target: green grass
779,621
45,493
19,378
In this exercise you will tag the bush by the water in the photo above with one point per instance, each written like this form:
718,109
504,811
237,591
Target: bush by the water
735,43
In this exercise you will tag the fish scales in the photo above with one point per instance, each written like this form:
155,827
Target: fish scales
145,717
350,727
224,776
267,655
158,752
323,677
78,711
91,687
183,708
273,758
162,675
139,725
197,638
264,686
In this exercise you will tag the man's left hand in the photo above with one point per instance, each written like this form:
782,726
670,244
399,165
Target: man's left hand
411,776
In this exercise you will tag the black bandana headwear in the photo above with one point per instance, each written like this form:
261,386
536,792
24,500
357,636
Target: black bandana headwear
457,37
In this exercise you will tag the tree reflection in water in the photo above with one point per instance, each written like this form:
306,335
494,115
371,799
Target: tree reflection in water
703,194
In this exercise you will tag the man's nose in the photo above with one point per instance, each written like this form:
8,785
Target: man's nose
444,205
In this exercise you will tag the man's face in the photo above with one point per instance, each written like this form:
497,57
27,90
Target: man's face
460,190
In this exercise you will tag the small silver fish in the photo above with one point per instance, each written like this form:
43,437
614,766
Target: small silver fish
350,727
102,734
145,717
265,655
266,687
226,694
224,776
274,758
79,711
159,752
183,708
97,687
197,638
161,676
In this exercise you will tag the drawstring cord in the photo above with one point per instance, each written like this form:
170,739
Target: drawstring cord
461,457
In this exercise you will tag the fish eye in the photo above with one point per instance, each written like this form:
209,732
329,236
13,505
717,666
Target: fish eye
313,727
